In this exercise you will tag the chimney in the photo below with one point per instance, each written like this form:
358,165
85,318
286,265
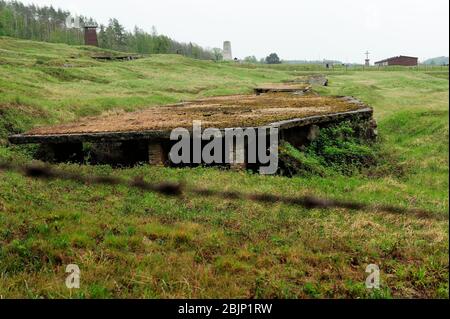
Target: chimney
227,54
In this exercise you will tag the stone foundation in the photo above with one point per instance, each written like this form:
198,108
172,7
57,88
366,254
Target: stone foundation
128,148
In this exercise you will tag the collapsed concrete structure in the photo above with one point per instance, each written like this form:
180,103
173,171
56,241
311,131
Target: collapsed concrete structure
313,79
144,136
295,88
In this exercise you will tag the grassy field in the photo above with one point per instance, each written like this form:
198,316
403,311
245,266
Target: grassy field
133,244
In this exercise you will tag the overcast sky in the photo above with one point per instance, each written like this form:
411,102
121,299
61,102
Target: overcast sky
295,29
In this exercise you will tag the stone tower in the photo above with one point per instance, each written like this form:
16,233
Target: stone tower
227,54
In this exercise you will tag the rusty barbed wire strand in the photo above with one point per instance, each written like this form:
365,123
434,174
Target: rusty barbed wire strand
46,172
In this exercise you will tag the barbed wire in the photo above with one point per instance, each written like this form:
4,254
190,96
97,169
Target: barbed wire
46,172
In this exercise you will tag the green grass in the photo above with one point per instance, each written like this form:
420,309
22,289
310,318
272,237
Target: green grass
133,244
36,94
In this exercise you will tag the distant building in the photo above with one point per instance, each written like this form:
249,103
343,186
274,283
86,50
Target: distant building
328,64
90,35
399,60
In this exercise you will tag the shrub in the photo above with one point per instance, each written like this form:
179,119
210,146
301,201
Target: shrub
341,148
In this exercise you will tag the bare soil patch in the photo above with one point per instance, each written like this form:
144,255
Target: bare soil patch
220,112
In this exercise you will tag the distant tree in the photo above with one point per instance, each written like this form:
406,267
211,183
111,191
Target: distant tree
442,60
48,24
117,32
273,59
251,59
218,54
102,37
9,22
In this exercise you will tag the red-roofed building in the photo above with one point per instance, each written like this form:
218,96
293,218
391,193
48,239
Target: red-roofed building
399,60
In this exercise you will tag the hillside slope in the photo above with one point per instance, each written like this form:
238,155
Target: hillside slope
43,83
130,243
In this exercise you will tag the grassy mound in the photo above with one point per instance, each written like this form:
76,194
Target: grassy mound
135,244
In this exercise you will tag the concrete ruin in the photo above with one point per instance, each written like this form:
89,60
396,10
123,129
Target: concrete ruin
298,86
314,79
117,57
294,88
318,79
144,136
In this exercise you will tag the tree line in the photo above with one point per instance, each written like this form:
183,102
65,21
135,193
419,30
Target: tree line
47,24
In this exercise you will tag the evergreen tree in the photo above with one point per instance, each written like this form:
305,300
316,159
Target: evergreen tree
49,24
273,59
